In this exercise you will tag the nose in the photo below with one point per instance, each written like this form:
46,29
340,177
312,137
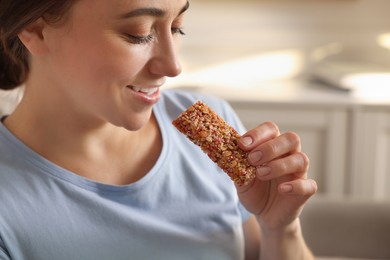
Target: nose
165,60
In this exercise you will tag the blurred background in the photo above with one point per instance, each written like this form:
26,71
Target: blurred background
244,43
320,68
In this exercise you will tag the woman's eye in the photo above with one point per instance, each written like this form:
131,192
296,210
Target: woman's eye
178,31
139,39
144,39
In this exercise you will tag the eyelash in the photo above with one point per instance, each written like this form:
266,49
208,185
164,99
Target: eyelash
178,31
148,38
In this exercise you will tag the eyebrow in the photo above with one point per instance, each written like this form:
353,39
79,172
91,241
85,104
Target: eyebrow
156,12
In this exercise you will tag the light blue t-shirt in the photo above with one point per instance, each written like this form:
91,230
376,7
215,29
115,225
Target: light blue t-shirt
184,208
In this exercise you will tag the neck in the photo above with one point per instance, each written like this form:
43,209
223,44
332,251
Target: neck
99,151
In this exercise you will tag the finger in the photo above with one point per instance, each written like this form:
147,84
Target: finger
301,187
262,133
284,144
295,163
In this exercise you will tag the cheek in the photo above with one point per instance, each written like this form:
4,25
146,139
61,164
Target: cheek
118,60
100,59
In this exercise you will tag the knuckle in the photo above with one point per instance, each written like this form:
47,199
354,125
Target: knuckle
273,148
308,187
305,161
273,127
283,167
314,185
294,138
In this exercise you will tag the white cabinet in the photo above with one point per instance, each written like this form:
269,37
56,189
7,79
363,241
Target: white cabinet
346,138
370,169
323,135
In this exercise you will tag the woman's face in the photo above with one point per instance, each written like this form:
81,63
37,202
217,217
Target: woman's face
110,58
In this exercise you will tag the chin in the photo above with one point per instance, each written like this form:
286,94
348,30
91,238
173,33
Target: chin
136,123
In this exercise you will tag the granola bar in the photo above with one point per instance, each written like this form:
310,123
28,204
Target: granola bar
217,139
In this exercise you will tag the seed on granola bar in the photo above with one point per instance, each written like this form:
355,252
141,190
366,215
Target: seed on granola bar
217,139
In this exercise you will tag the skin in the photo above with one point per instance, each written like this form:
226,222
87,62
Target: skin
81,70
278,193
79,78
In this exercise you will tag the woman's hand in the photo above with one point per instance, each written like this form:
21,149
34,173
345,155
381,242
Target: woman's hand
281,187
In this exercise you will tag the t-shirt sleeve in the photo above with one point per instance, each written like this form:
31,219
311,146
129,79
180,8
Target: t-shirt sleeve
245,215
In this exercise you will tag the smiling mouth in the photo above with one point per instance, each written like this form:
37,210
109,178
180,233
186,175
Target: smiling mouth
146,91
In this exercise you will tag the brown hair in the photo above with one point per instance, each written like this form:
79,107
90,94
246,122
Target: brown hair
15,15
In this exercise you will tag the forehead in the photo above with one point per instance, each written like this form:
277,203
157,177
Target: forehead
115,8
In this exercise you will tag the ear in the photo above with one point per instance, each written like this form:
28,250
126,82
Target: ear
33,38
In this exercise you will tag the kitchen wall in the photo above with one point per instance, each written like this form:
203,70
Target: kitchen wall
259,55
220,32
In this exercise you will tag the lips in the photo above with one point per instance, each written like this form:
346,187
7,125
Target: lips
146,91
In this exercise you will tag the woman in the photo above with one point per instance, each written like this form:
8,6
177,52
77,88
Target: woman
90,165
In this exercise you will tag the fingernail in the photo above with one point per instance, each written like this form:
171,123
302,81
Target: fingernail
247,140
255,156
286,188
263,171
